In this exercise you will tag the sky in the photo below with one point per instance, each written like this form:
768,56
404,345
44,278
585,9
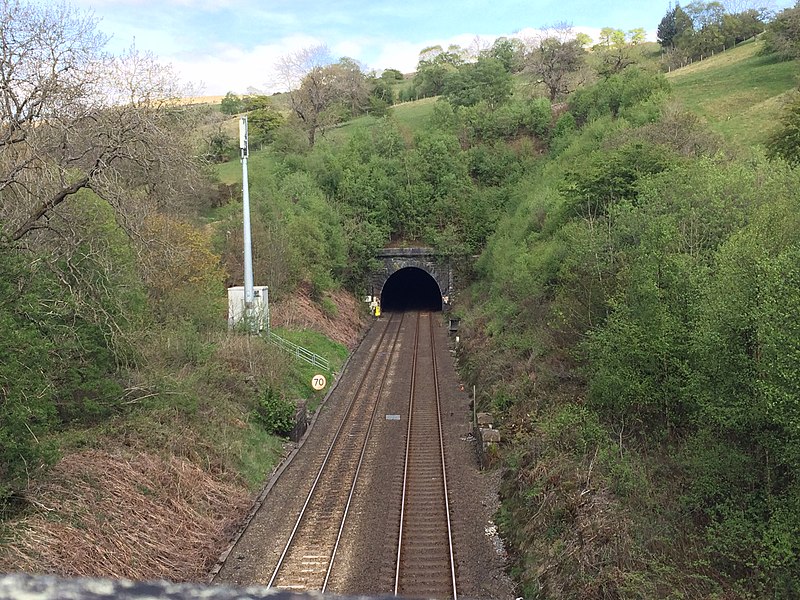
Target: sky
233,45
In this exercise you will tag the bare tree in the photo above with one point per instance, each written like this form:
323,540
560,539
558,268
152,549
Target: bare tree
75,118
89,143
303,75
318,87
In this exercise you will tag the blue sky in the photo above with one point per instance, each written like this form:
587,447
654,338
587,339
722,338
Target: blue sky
233,45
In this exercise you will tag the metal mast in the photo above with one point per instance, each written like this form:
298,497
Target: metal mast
248,250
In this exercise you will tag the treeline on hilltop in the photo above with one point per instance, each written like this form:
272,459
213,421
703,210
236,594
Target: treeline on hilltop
323,92
703,28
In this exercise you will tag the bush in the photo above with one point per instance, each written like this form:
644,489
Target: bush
274,413
574,429
616,94
785,142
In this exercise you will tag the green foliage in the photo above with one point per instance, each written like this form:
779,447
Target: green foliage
612,177
289,139
274,413
484,80
785,142
263,119
617,94
573,429
231,104
618,50
510,52
27,363
382,91
315,228
673,26
563,128
432,70
493,164
221,147
667,273
782,36
392,75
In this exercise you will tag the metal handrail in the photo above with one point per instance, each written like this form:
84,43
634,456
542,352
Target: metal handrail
299,352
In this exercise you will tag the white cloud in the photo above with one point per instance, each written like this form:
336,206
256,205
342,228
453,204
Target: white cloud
231,68
397,55
350,48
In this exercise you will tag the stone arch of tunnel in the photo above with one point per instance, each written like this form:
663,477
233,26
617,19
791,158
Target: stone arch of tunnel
411,288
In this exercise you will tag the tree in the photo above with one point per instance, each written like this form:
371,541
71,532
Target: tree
618,50
303,75
486,79
349,86
381,88
262,117
231,104
91,145
785,142
672,26
510,52
76,118
584,39
783,34
556,60
705,15
434,65
321,92
741,26
391,75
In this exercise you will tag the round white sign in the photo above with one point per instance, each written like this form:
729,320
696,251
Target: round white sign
318,382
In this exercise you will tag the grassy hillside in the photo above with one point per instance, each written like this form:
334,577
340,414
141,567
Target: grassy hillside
411,115
738,92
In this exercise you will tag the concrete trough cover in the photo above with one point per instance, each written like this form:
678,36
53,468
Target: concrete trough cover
392,417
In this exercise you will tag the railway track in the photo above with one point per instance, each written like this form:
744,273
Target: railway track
309,555
425,566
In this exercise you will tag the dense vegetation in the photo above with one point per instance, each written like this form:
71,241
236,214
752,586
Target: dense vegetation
632,318
112,289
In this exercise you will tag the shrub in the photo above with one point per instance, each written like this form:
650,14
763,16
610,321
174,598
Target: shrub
274,413
617,93
785,142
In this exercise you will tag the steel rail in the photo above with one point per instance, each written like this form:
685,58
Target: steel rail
444,465
405,465
361,457
331,447
442,454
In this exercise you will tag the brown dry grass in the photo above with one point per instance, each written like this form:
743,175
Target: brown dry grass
202,100
299,311
159,499
125,515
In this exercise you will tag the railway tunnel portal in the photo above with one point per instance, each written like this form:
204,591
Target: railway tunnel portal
412,279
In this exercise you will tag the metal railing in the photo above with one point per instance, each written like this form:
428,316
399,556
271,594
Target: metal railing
299,352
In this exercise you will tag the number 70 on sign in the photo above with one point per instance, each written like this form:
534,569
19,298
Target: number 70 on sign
318,382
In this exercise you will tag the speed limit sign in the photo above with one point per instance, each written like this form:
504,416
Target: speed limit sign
318,382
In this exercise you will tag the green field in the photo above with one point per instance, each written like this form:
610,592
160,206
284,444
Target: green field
738,92
409,115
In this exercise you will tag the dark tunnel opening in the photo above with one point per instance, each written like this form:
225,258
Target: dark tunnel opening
411,289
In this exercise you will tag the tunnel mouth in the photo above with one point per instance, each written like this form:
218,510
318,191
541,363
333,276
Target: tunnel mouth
411,288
